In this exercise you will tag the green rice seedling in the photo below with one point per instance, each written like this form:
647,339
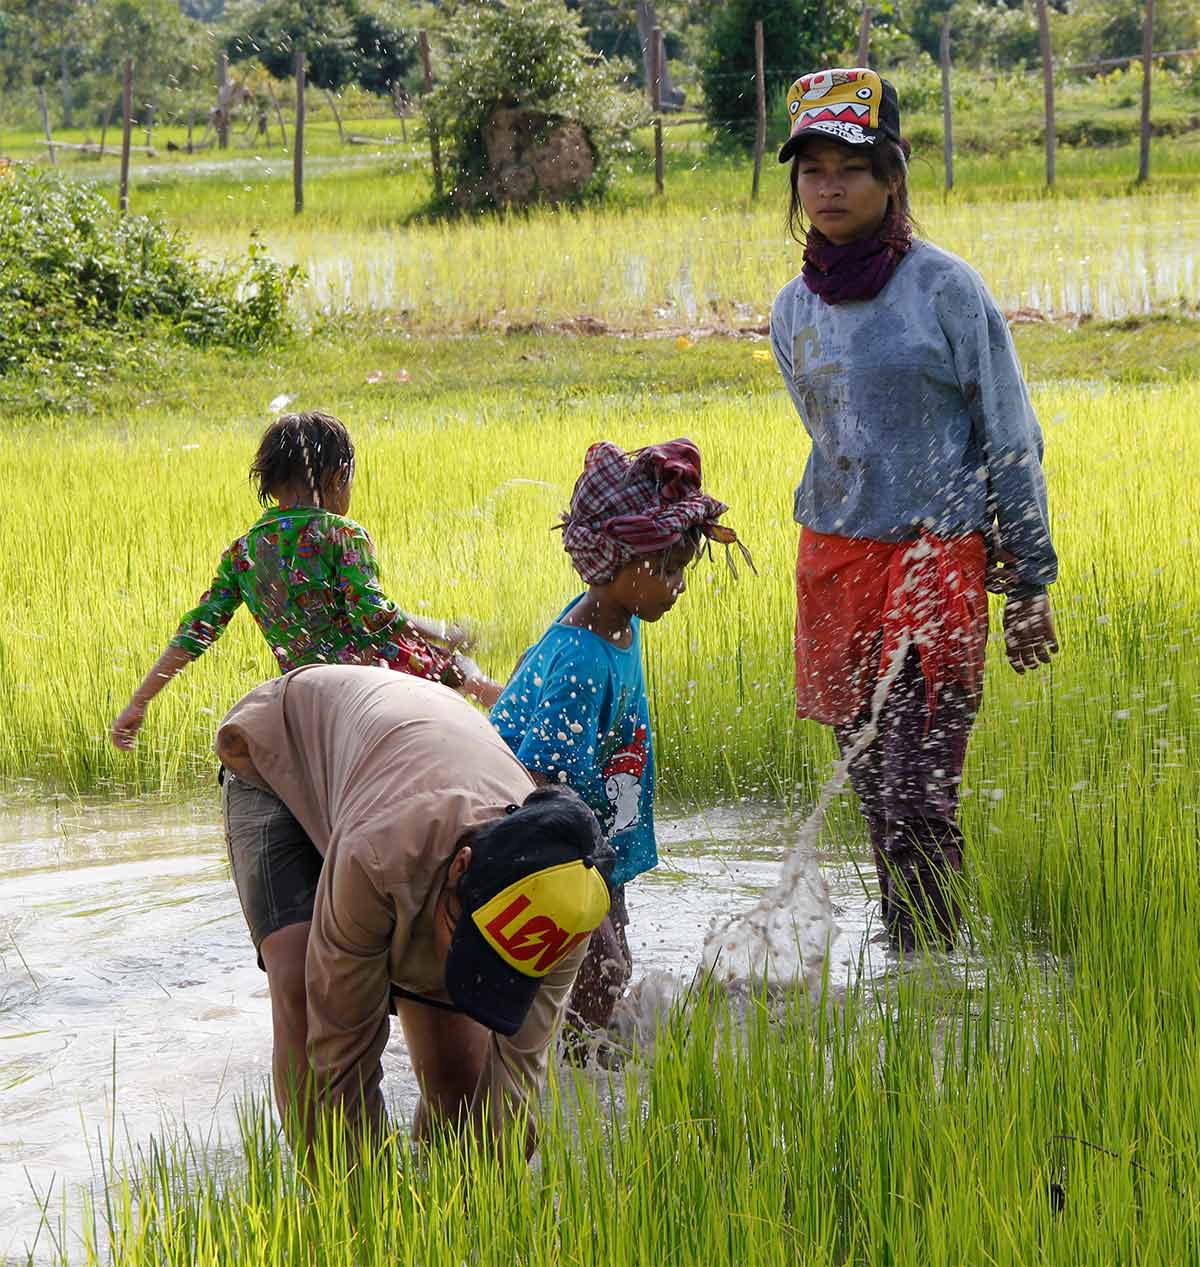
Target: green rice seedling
718,262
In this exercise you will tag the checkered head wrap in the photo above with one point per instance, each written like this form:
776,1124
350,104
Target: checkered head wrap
631,504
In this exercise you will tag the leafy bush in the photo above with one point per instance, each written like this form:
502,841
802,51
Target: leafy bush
527,54
798,36
77,278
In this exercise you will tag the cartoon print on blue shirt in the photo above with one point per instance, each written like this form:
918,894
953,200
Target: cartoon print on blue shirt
623,782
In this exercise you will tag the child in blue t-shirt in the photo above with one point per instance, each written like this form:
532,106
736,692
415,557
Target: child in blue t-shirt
575,711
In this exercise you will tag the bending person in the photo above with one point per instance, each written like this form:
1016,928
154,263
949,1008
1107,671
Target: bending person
389,851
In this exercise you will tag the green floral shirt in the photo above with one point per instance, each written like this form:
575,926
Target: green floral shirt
311,583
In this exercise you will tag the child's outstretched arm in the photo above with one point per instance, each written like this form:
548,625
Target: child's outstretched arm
198,630
129,722
476,684
445,633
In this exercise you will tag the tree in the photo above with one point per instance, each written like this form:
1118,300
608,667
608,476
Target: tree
344,43
42,41
203,10
1113,28
169,50
985,32
798,36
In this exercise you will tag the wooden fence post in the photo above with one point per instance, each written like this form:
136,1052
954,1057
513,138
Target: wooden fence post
149,121
435,148
126,132
298,151
947,121
191,125
46,124
1047,88
864,37
656,102
222,119
760,93
1147,62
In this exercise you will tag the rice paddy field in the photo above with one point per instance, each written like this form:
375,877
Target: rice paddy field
704,253
1032,1101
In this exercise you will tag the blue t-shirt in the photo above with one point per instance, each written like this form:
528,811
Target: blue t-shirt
576,711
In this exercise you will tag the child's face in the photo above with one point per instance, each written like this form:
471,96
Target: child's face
648,587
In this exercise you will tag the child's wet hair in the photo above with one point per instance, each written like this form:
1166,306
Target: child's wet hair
309,447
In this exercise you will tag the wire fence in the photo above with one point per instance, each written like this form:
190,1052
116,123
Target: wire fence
254,117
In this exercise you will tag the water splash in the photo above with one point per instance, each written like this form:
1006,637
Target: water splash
784,938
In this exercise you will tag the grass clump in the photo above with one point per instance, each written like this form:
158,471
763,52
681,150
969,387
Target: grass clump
80,280
995,1117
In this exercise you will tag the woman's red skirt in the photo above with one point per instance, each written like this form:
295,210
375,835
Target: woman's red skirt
856,599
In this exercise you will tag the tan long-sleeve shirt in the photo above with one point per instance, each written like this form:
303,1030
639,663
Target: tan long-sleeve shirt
386,773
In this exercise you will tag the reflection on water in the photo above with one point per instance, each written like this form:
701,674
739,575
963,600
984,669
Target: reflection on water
130,998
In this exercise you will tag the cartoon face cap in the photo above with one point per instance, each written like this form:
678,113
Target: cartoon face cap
537,887
855,107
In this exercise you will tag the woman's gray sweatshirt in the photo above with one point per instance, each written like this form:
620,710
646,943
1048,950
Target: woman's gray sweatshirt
918,413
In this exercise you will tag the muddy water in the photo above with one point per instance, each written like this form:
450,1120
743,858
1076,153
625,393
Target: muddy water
130,999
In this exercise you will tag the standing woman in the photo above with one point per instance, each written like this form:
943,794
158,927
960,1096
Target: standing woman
925,479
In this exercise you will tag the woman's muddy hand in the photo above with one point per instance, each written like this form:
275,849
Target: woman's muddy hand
1029,636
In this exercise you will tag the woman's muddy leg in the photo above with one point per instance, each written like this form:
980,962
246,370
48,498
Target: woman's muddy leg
603,975
922,761
867,780
602,978
275,870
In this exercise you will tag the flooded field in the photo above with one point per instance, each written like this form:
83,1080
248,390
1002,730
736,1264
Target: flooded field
130,1001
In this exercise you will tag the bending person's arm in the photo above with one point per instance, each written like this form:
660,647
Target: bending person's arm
348,984
514,1071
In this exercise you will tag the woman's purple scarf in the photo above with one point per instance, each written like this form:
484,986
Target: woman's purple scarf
860,269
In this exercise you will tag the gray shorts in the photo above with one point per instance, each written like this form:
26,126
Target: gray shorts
275,865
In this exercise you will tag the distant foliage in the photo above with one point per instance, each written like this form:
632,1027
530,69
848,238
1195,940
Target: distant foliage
344,42
530,54
79,280
798,36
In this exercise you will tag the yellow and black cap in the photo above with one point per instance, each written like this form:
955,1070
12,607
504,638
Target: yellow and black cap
854,106
537,886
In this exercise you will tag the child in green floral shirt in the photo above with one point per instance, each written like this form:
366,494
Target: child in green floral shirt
309,578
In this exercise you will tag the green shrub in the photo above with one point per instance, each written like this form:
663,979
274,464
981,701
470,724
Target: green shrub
529,54
79,279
